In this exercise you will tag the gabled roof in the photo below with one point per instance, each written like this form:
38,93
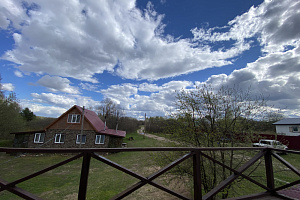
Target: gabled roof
99,125
288,121
93,119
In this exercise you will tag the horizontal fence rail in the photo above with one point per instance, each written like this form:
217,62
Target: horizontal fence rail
262,153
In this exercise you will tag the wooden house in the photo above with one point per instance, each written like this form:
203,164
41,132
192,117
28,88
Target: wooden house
76,128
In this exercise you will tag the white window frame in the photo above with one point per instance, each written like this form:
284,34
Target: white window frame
39,138
61,138
79,141
100,138
74,118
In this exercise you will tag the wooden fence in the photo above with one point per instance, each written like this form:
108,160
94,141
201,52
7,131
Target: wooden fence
261,153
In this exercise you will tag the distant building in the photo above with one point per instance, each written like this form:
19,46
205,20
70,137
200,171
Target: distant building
67,131
288,126
288,132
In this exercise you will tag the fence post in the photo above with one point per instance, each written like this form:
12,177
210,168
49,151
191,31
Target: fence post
269,170
197,175
84,176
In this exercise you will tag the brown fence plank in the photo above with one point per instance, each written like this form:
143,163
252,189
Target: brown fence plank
231,178
236,172
40,172
18,191
144,180
84,176
197,175
195,152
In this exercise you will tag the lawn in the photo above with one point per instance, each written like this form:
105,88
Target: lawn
62,183
105,181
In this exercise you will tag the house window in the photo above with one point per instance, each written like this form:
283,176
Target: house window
39,137
81,139
59,138
100,139
74,118
294,129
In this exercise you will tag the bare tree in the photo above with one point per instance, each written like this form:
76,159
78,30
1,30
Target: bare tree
217,118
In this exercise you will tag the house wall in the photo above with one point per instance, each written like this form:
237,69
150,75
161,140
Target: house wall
62,123
70,140
285,130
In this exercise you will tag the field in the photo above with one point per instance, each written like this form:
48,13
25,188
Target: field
62,183
105,181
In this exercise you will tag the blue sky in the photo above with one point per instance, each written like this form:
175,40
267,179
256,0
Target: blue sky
55,54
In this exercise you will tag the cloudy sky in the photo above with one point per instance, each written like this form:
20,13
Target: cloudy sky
55,54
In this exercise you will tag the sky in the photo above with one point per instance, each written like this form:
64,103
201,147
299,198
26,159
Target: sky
139,53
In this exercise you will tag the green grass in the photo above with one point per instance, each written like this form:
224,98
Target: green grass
63,182
105,181
6,143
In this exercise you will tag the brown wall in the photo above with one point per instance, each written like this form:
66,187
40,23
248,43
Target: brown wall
62,123
70,140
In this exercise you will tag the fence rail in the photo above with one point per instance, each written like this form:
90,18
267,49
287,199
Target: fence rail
262,153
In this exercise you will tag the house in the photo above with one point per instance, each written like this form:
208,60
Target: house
288,131
78,127
288,126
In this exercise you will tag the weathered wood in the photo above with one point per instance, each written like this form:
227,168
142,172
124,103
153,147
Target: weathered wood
19,191
231,178
197,175
114,150
144,180
193,152
84,176
286,163
236,172
269,170
39,172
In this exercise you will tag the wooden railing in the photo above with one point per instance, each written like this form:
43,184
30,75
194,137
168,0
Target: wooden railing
262,153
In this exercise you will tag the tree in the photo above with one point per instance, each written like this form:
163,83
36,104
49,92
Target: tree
110,112
27,114
216,118
114,116
1,90
10,119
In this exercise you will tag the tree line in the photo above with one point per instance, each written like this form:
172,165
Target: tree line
15,119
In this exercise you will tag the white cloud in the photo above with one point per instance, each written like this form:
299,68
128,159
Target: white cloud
159,103
43,110
89,87
7,87
18,73
89,37
85,38
65,101
55,84
275,23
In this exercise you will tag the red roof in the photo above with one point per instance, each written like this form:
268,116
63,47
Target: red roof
98,124
94,120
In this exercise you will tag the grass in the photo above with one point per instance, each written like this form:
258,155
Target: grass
63,182
105,181
6,143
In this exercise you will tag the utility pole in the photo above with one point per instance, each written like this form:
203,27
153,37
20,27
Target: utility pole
81,132
145,126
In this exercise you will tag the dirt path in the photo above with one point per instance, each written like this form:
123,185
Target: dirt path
141,131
